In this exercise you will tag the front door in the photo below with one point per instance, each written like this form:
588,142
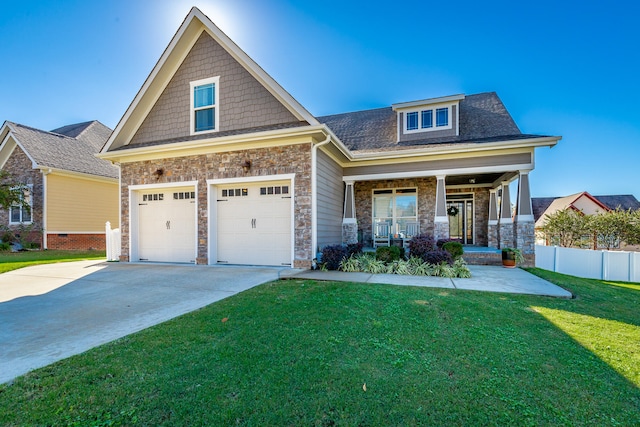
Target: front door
460,211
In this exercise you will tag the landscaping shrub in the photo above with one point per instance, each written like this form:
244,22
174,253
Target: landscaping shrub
5,246
454,248
437,257
332,256
388,254
441,242
421,244
354,249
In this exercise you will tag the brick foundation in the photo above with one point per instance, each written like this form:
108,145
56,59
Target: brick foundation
71,242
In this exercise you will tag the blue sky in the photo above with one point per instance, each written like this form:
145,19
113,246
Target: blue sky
562,68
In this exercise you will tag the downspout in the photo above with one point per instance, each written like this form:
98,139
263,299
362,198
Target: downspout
44,208
314,196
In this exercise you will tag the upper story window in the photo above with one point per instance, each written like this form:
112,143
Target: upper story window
20,213
423,119
204,105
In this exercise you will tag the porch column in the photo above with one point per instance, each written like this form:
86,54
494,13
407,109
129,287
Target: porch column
524,227
492,232
441,219
505,221
349,222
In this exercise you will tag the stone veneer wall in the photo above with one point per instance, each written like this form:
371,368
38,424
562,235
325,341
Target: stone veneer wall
20,168
364,199
264,162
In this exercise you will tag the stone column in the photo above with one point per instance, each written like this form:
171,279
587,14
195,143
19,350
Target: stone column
505,220
441,219
349,222
524,227
492,232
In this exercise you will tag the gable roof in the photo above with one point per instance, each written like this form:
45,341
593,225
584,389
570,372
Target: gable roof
192,27
59,151
483,118
548,205
92,132
623,201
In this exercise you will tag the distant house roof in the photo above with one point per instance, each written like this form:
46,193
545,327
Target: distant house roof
70,148
549,205
623,201
483,118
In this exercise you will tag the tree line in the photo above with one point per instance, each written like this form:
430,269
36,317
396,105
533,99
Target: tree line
573,229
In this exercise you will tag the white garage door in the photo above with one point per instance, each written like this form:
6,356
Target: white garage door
254,223
167,225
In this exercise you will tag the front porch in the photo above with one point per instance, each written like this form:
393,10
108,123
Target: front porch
475,210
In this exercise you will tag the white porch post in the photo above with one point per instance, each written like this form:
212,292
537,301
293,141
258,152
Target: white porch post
505,220
492,232
524,227
441,219
349,221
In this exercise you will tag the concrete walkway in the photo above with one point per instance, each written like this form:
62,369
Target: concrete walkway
487,278
50,312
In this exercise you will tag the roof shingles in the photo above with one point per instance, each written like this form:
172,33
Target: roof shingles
71,153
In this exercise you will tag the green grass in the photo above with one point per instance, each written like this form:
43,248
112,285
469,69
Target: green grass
14,260
296,352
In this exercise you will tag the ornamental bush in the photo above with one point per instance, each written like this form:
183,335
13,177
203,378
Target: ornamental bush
332,256
388,254
421,244
454,248
437,256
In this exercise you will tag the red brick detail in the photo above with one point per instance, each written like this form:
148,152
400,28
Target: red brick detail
77,241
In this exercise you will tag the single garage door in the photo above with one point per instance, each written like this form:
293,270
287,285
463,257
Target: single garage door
254,223
167,225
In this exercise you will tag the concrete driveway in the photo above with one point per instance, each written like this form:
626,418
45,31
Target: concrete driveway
50,312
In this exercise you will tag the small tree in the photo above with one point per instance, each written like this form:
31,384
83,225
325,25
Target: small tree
566,228
11,192
616,226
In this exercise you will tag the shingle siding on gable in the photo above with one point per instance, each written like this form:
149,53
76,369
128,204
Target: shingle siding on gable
244,102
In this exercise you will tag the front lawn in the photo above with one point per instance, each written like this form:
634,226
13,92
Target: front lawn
347,354
14,260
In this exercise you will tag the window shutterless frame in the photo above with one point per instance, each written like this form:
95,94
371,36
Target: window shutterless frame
204,105
427,119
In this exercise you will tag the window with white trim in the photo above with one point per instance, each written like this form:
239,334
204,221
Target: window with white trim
20,213
396,206
204,105
427,119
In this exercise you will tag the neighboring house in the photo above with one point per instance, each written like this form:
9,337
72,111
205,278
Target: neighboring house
580,202
71,192
219,164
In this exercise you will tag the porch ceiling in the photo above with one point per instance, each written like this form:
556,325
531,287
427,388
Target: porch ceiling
473,179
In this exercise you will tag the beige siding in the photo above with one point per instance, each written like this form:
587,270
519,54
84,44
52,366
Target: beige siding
80,205
330,201
587,206
243,102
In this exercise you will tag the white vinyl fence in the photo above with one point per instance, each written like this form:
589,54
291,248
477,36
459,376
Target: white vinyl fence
113,242
604,265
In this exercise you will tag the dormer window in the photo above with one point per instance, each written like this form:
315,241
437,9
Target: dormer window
423,119
204,105
429,115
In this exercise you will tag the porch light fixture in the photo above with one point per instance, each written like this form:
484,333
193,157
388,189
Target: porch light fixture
158,173
246,166
472,180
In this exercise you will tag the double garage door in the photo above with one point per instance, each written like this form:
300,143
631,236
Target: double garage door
251,224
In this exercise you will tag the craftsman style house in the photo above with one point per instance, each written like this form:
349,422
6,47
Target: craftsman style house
219,164
71,193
